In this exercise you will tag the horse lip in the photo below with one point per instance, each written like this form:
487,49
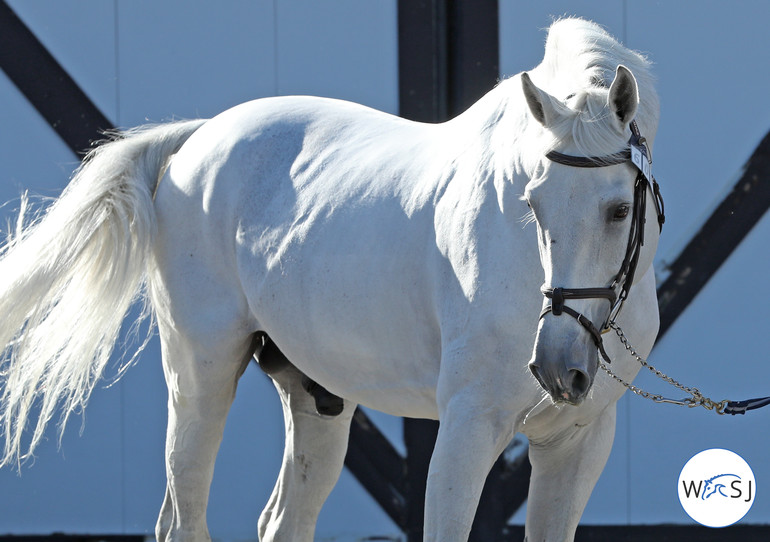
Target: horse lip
572,401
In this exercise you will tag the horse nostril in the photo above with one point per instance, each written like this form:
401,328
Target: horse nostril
579,382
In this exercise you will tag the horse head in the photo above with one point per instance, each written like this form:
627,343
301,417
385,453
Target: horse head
595,238
711,487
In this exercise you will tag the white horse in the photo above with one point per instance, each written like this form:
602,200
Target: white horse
394,263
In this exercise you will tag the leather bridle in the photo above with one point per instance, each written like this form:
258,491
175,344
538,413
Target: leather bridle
639,155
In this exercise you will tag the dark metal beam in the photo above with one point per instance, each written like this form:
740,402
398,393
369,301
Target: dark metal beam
422,60
473,45
378,467
419,439
448,59
712,245
448,56
504,492
48,87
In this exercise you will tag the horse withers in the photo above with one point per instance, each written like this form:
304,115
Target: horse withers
337,232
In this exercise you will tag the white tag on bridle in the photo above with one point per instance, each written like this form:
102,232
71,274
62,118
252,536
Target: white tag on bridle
639,159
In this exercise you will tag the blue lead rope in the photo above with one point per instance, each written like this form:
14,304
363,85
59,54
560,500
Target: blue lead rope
741,407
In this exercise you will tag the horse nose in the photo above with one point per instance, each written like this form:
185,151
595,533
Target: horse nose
576,386
568,385
564,360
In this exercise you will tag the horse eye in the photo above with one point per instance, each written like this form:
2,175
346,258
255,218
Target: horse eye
621,212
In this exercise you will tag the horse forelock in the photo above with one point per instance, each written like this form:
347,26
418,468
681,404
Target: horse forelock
578,67
587,126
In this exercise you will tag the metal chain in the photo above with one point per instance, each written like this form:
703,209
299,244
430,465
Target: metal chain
696,397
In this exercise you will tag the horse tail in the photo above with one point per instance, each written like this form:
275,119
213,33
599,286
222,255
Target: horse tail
68,277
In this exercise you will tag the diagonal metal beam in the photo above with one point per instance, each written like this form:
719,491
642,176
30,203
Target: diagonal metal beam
376,464
722,232
504,492
50,89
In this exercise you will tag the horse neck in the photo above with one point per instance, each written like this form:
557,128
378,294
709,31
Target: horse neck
492,133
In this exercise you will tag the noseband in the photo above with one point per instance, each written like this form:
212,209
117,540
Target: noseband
639,155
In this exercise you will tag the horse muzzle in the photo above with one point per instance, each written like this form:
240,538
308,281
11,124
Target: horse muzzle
566,367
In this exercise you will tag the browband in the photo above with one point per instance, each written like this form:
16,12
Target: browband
589,161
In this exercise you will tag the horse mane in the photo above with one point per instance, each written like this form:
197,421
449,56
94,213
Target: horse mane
577,69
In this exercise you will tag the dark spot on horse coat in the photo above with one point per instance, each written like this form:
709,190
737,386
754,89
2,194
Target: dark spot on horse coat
304,466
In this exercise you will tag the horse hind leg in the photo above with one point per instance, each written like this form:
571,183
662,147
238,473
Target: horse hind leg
201,370
314,454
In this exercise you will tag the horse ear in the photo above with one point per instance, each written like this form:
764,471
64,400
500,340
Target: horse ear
540,102
623,99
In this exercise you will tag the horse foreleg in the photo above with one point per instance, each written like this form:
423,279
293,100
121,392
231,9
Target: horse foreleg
564,472
201,376
313,457
470,439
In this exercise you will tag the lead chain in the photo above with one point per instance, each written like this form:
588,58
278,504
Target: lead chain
696,397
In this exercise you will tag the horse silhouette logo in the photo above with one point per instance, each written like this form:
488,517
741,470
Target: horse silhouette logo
713,487
716,487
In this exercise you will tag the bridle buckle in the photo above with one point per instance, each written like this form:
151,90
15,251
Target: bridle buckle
557,301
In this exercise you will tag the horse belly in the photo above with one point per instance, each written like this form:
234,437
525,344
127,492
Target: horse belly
350,303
